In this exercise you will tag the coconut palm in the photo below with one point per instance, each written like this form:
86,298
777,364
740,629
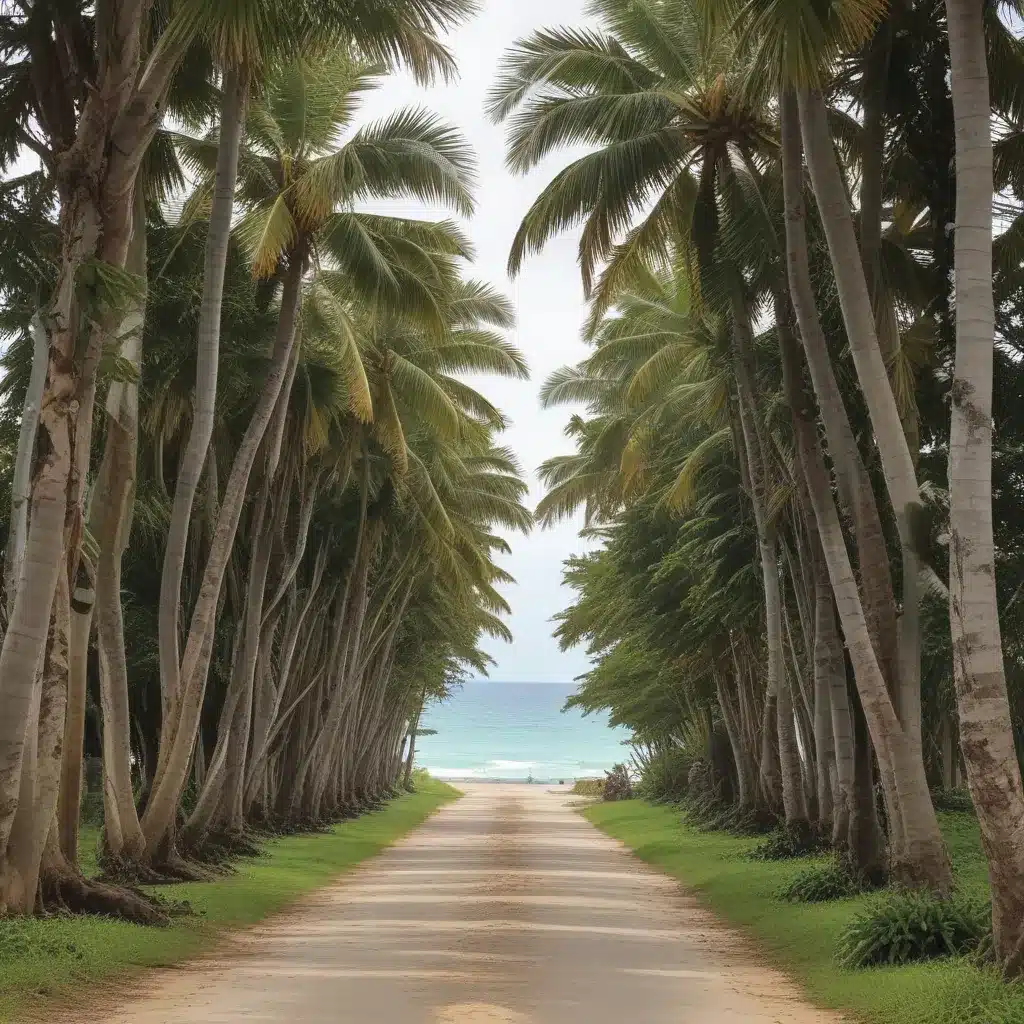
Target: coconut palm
993,770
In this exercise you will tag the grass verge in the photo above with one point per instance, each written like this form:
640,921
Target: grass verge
43,959
802,938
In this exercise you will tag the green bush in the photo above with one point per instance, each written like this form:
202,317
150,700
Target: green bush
588,787
821,885
787,844
617,784
908,927
664,776
956,800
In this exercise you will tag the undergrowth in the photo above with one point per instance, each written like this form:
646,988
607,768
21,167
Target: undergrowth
821,884
907,927
788,844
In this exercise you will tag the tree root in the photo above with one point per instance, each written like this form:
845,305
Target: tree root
72,892
217,850
181,869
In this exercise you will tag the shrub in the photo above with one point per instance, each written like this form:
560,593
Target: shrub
911,926
957,800
617,784
588,787
820,885
787,844
664,776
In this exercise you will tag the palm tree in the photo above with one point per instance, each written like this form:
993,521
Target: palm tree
246,39
300,185
663,99
993,770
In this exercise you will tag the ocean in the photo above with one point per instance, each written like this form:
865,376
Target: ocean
514,732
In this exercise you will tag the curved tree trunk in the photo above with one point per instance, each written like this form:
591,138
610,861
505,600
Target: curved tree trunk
919,853
779,683
193,460
172,769
110,521
21,483
986,733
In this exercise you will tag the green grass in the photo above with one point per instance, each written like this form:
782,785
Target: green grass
802,938
42,959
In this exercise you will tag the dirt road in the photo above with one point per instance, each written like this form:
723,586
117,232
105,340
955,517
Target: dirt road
505,907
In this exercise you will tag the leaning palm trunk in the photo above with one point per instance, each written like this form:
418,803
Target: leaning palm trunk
50,525
278,719
986,733
414,726
110,519
179,735
193,460
919,855
95,181
779,682
22,479
898,461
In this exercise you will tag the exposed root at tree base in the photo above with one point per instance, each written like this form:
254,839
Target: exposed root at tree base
216,850
75,894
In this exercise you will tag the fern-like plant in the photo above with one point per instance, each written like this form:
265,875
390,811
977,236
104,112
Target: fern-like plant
912,926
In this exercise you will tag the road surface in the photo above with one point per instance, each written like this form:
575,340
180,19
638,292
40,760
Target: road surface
507,907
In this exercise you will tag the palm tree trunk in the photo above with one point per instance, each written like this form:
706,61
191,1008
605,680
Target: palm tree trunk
21,484
858,313
190,470
865,848
110,517
918,849
172,769
898,461
778,679
830,665
986,734
51,520
410,759
70,798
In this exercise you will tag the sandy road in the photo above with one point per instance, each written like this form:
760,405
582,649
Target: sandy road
505,907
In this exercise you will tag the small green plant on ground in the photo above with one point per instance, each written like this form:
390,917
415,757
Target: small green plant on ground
953,800
906,927
802,938
820,884
786,844
42,959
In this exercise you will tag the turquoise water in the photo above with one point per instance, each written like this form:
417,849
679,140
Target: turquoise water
515,731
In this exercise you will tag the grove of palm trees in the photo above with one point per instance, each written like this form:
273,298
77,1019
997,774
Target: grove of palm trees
799,447
259,495
254,505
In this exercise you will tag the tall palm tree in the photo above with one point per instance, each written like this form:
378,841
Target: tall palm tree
300,185
993,770
246,39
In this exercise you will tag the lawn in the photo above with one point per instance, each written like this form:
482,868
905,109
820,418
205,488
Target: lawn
801,938
56,957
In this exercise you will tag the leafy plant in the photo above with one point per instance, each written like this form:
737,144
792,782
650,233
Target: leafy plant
786,844
956,800
664,775
912,926
617,784
821,884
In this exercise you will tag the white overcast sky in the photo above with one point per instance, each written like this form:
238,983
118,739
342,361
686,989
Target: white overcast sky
549,302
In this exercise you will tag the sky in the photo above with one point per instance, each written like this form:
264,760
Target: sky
549,302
